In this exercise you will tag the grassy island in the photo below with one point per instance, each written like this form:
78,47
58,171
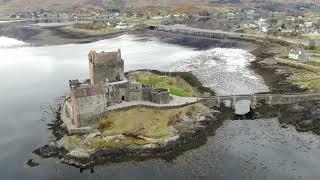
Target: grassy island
182,84
92,30
139,126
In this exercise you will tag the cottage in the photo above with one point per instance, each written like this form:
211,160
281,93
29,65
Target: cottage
297,54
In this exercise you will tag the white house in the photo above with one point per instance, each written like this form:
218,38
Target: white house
121,25
261,22
308,24
264,28
297,54
157,17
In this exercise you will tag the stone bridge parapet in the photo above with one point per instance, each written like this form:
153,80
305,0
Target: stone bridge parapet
218,34
270,99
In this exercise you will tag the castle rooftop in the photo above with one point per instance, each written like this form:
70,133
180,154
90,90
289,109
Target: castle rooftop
86,90
104,57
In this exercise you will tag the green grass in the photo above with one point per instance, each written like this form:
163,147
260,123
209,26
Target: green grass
316,53
313,63
97,31
74,140
316,48
305,79
311,37
176,85
179,92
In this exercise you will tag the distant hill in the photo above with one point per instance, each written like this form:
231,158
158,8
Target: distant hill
29,5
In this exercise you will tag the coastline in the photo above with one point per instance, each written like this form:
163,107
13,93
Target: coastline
201,128
198,128
53,35
276,80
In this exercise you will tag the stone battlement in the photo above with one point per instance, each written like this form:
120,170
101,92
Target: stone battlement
104,57
106,67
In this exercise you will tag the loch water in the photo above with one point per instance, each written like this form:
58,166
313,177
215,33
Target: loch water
34,77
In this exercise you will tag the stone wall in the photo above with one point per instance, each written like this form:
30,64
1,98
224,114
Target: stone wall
147,92
160,96
106,66
90,107
75,111
86,101
135,91
271,99
117,92
290,99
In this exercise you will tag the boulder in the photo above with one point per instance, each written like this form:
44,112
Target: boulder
202,119
304,126
31,163
80,153
149,146
113,138
173,131
93,135
170,140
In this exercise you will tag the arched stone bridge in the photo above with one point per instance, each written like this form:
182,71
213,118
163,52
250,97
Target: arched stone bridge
270,99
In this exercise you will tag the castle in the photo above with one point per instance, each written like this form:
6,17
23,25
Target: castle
108,86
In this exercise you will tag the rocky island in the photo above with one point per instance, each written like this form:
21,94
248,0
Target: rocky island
116,116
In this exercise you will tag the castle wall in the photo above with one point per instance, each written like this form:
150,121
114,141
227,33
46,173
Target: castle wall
90,107
134,91
117,92
67,108
87,101
75,111
160,96
135,96
147,93
106,65
113,71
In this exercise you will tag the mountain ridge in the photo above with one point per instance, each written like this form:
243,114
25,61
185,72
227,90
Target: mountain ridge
30,5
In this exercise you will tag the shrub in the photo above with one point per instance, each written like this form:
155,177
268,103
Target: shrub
174,118
104,125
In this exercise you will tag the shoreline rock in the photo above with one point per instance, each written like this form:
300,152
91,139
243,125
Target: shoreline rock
166,149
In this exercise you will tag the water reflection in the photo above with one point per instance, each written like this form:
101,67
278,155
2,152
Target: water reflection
242,107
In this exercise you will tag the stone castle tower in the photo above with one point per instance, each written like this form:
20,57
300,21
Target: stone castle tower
108,86
106,67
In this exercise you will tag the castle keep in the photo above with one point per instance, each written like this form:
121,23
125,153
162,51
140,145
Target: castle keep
106,67
107,87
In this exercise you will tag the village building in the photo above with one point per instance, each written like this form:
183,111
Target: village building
108,86
297,54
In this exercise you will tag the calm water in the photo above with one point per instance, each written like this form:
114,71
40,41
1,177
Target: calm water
33,77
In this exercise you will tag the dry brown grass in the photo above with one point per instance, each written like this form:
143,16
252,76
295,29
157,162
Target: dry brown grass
145,121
